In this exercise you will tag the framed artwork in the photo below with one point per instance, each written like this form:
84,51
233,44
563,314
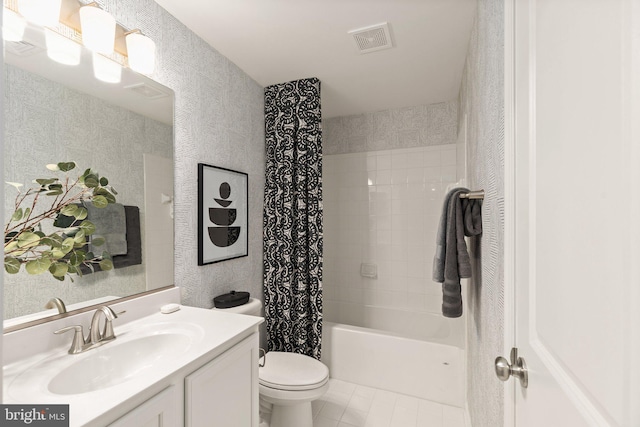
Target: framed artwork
223,212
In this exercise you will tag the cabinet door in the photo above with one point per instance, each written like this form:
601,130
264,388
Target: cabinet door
159,411
224,392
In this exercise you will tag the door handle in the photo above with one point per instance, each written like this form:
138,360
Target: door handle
517,368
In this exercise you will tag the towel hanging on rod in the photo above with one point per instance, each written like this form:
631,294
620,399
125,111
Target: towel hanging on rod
451,261
473,195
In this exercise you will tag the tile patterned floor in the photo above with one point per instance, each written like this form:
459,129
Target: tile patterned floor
352,405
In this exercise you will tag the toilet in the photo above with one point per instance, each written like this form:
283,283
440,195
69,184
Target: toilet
289,382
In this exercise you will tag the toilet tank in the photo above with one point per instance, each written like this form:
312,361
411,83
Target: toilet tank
252,308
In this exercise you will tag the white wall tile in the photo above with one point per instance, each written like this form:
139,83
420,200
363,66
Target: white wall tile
432,158
399,252
415,176
433,174
395,229
383,161
383,177
399,192
399,176
399,160
448,157
371,162
399,221
416,159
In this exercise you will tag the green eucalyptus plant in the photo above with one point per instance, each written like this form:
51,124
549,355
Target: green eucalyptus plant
49,229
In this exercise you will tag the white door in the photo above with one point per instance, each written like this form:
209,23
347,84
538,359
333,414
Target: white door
577,211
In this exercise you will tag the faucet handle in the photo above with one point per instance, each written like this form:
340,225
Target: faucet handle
77,345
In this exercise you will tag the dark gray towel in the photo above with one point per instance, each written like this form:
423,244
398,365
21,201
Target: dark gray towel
441,238
134,240
451,262
110,223
134,243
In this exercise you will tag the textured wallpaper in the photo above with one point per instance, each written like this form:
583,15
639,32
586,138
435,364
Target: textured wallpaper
219,121
482,100
425,125
47,122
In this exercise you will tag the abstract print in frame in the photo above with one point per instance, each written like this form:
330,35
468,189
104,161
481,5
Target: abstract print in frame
223,206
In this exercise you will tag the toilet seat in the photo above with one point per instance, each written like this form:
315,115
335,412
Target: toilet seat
292,372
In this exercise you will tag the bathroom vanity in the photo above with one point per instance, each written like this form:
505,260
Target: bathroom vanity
193,367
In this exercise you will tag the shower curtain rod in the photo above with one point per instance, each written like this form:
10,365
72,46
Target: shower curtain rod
473,195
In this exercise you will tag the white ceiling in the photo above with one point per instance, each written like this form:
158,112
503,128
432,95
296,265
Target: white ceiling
275,41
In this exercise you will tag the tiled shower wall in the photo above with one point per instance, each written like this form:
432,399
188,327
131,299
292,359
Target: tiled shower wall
381,210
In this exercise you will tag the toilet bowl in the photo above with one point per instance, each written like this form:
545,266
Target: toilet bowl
288,382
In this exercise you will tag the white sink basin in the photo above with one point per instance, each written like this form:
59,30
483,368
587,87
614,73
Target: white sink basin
115,363
132,354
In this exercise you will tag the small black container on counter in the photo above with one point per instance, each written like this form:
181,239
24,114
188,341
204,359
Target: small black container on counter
232,299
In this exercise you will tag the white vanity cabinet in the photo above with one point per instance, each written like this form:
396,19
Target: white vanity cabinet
193,367
224,392
159,411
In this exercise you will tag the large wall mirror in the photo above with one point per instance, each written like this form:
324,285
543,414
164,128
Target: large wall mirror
124,131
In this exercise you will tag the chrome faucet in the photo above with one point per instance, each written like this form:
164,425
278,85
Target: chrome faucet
57,303
95,338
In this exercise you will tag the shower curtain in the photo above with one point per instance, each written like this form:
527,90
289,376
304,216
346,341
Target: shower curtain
293,217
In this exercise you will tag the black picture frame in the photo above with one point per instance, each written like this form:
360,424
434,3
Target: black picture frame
223,214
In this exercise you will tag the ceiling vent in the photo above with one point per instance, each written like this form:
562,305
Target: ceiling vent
372,38
22,48
147,91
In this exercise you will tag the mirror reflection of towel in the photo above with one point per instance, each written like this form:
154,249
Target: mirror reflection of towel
134,243
111,224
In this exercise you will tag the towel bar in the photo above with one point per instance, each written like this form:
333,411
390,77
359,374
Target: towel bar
473,195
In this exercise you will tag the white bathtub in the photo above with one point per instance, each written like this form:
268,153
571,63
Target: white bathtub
428,370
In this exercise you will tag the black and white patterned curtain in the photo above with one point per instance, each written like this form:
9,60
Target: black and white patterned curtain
293,217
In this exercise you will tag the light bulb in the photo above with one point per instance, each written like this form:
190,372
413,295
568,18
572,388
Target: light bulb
141,51
98,29
41,12
13,26
106,70
62,49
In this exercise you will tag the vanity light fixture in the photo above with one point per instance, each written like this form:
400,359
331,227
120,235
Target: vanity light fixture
13,26
105,69
98,29
41,12
61,49
141,51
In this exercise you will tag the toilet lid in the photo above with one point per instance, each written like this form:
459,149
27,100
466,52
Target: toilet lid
292,371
